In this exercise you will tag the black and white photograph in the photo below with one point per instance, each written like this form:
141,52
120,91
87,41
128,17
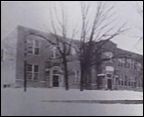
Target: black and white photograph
71,58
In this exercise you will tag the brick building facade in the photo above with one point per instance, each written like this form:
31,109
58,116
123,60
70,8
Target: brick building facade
43,68
123,71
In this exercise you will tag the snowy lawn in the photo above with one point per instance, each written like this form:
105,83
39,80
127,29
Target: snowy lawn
17,103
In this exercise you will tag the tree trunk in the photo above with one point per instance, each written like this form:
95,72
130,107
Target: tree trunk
66,73
88,78
98,71
82,77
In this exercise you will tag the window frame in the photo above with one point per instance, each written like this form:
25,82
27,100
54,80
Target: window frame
32,72
32,47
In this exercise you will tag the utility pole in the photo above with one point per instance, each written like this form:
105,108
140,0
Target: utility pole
25,76
25,64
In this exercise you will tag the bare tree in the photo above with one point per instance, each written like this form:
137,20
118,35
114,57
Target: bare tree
101,28
61,46
140,38
59,33
140,11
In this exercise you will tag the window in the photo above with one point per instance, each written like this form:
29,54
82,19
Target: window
134,81
76,76
109,75
73,51
36,70
130,81
36,51
55,71
117,80
54,49
32,72
126,80
122,81
107,55
139,67
47,73
132,64
29,67
30,46
36,47
29,75
29,72
127,63
121,62
56,64
135,66
33,46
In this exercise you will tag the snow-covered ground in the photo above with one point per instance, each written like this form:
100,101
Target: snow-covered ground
31,103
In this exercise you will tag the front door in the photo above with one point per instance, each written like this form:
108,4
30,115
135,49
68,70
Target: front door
55,80
110,84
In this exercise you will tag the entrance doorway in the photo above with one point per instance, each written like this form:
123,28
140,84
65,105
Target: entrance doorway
100,79
55,80
109,84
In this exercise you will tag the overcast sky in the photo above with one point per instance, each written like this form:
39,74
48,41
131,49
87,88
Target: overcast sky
35,15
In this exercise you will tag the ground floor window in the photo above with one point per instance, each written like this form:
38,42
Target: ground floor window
128,81
32,72
76,76
47,74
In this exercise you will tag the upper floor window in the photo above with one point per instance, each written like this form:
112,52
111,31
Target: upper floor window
55,71
136,66
109,75
139,67
73,51
54,51
36,47
107,55
127,63
121,62
33,46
